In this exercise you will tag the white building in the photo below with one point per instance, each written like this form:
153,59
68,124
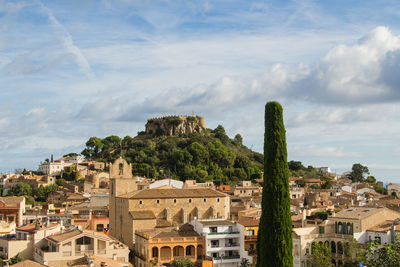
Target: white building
167,183
224,241
51,168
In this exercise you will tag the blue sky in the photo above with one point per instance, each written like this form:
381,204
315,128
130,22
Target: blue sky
74,69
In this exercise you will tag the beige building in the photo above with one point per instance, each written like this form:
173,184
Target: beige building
132,209
356,222
67,245
246,189
163,245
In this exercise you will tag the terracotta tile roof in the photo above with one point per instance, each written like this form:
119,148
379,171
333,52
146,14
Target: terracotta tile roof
173,193
11,201
28,263
31,227
216,222
142,215
249,223
63,235
357,212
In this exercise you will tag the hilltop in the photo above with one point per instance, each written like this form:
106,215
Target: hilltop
180,147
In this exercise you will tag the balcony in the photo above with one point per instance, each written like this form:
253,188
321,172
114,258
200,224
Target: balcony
250,237
225,258
224,233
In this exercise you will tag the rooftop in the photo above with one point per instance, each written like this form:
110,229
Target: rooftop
11,201
216,222
173,193
357,212
249,223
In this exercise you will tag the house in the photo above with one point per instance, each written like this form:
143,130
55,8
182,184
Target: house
225,188
12,209
71,244
338,229
22,243
160,246
223,241
249,229
246,189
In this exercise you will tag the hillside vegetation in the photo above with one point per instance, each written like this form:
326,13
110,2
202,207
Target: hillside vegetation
201,156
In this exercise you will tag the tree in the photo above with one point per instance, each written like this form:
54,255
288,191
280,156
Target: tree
321,255
275,232
183,262
353,252
378,255
22,189
15,259
357,172
238,139
295,165
371,180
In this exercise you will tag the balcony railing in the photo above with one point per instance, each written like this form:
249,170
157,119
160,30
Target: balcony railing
83,252
223,233
232,245
227,257
250,237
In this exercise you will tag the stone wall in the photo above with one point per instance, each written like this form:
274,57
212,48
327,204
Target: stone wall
175,125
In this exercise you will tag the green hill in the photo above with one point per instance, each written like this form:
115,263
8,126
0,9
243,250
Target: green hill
209,154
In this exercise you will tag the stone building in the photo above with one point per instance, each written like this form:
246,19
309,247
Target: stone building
132,209
163,245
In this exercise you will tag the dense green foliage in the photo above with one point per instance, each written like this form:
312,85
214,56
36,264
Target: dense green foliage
32,195
275,231
382,255
357,172
321,256
182,262
201,156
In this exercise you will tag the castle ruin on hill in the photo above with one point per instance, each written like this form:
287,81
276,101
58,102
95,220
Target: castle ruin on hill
175,125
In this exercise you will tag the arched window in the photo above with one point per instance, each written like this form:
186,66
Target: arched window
326,244
154,252
349,228
313,244
340,228
340,247
333,247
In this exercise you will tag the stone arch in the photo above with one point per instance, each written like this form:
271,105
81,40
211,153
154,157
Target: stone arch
340,247
333,247
154,252
326,243
178,251
313,247
200,251
165,252
190,251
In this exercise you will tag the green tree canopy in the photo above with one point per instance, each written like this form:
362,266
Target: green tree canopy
357,172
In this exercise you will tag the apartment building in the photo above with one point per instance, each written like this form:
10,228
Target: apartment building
223,241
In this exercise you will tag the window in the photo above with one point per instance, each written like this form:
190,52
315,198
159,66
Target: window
10,218
214,243
213,229
1,217
250,232
204,200
140,202
322,229
218,200
158,201
190,200
378,240
100,227
174,200
84,240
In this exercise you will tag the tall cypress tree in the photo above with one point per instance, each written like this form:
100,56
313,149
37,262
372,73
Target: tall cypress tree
275,232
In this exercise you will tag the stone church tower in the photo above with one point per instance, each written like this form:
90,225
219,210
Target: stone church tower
121,182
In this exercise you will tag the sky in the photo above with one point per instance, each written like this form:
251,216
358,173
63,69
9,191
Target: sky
70,70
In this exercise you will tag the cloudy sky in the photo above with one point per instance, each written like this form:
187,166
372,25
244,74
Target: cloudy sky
74,69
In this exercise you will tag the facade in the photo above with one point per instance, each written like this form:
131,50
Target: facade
68,245
249,229
132,209
359,223
51,168
223,241
246,189
25,239
156,247
12,209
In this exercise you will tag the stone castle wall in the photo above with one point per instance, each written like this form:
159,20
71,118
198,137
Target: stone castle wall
175,125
